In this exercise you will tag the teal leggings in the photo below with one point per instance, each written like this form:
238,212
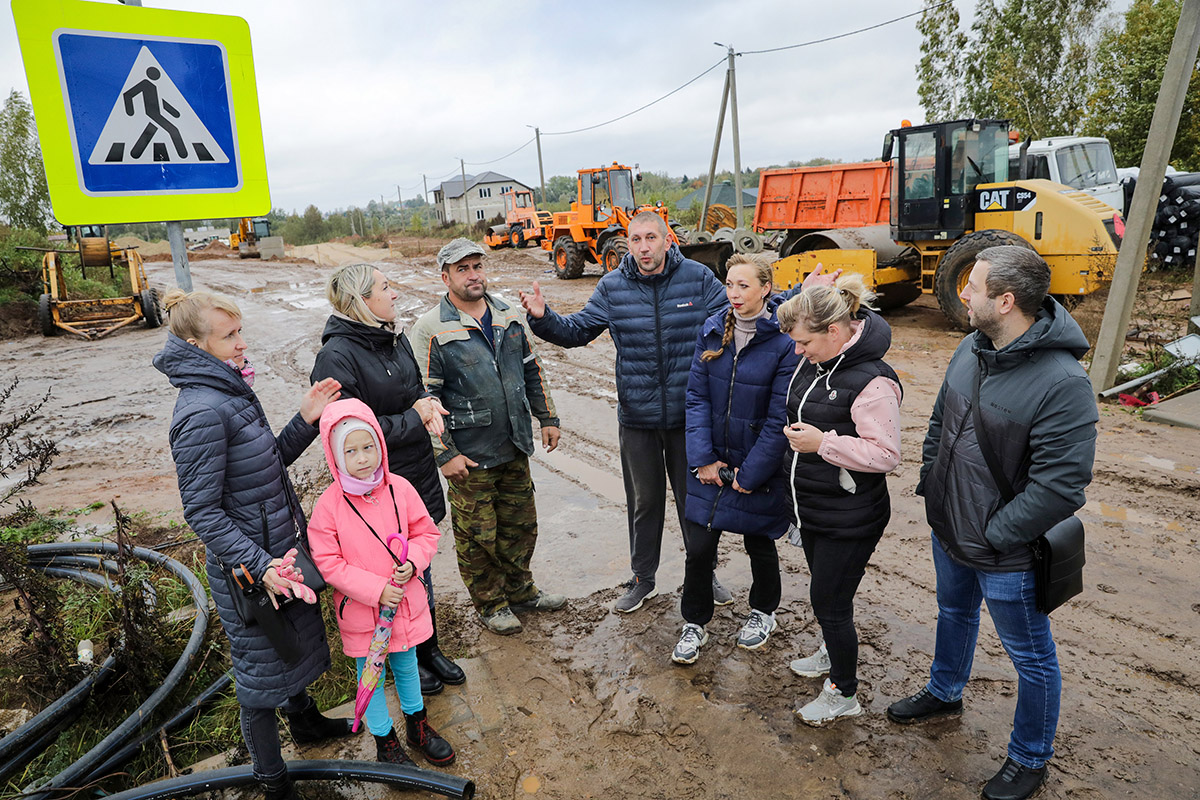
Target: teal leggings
408,688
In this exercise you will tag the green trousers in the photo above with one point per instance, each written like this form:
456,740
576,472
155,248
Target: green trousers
495,529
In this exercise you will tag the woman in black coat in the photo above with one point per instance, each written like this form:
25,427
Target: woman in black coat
361,349
235,490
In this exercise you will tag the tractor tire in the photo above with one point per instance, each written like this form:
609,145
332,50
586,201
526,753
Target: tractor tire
151,311
568,258
517,238
723,235
682,234
701,237
955,267
614,250
747,241
788,244
46,316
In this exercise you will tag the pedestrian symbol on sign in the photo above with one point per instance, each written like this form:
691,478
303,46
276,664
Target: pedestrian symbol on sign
151,122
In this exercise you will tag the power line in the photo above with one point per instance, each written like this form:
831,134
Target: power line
636,110
844,35
501,158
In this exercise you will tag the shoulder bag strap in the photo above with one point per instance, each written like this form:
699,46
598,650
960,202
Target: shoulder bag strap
985,447
399,528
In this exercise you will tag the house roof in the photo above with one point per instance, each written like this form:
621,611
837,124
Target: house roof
454,187
723,193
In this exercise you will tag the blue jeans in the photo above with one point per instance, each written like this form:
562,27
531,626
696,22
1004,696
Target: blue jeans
1025,633
408,688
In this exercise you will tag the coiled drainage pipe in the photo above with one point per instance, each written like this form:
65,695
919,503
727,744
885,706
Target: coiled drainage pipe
326,770
70,777
20,747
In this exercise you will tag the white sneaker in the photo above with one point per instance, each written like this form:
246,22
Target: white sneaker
829,705
757,630
814,666
690,641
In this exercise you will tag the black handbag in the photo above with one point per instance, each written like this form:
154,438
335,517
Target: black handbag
1058,554
243,587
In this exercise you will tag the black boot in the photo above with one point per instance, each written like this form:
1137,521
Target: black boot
430,683
421,735
388,750
431,659
286,790
309,726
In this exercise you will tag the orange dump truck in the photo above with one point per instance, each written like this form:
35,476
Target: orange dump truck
807,199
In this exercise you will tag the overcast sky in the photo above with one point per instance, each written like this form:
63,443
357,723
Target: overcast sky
359,97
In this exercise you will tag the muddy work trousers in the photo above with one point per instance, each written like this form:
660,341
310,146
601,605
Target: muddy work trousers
495,529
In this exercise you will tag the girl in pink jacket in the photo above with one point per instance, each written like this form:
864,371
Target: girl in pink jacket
348,532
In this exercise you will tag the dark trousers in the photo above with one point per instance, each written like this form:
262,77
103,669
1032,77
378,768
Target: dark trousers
260,730
837,566
701,543
649,456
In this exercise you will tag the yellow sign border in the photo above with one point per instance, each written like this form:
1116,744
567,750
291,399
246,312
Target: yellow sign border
38,20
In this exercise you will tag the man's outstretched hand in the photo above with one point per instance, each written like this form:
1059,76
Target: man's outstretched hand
533,303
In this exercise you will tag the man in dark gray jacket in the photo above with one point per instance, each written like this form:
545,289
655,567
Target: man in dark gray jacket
653,304
1039,415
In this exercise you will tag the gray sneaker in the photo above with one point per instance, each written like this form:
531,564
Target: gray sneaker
541,602
639,591
814,666
829,705
757,630
690,641
502,622
721,595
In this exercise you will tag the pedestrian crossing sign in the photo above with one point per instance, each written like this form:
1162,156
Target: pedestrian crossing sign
143,114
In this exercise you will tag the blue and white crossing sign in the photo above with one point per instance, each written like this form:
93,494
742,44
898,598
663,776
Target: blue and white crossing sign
143,114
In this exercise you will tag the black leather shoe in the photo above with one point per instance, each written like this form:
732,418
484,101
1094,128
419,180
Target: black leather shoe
283,789
1014,782
449,672
430,683
422,736
922,706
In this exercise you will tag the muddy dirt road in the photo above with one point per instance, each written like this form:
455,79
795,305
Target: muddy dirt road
586,704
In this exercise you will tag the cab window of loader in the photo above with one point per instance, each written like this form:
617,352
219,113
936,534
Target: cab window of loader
621,186
585,189
919,159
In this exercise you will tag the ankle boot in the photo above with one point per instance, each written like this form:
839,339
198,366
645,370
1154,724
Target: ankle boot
309,726
280,791
421,735
431,660
388,750
430,683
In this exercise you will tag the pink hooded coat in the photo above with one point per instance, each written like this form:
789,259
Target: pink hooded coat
354,562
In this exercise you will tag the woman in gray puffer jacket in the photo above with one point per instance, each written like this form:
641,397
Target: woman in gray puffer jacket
234,484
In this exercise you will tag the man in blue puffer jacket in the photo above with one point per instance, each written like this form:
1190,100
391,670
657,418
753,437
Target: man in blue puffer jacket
653,305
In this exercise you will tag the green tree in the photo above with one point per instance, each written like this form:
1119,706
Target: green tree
939,72
1025,60
1128,71
24,196
314,228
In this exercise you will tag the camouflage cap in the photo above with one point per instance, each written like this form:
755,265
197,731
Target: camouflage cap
456,251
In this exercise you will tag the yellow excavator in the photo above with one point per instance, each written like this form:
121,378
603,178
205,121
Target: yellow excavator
249,233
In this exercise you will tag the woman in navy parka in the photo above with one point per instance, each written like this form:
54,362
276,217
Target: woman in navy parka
235,490
735,416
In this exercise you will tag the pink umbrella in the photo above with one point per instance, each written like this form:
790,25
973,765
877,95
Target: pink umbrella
377,653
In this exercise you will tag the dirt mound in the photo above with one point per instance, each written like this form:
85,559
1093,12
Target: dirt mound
145,248
17,319
217,248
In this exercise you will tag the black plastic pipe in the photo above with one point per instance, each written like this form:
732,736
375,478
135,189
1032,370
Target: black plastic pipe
328,770
19,747
72,775
185,715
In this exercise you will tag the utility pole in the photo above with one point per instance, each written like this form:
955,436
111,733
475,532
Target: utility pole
537,133
712,165
425,183
400,206
1131,257
383,208
466,200
737,146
